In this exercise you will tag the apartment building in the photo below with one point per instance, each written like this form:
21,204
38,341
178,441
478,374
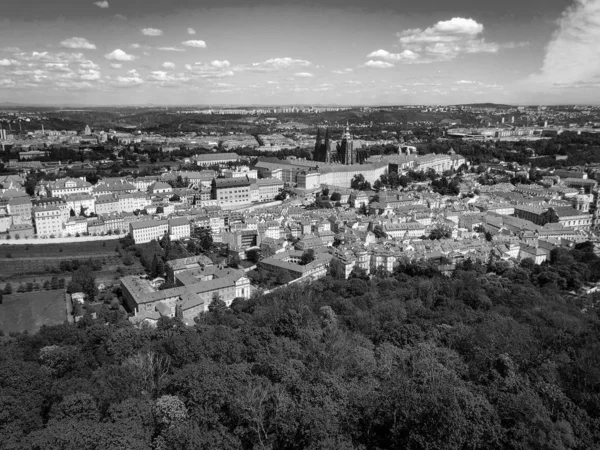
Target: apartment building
48,221
179,228
148,230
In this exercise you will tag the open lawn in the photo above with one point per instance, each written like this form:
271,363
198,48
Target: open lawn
29,311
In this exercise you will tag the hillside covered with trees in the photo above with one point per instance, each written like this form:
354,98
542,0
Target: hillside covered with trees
493,357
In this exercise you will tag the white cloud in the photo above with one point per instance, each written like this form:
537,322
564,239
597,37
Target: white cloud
572,56
284,63
135,45
152,32
194,43
466,82
343,71
78,42
220,64
405,56
168,65
203,70
5,62
378,64
103,4
120,17
171,49
119,55
445,40
304,75
116,65
191,31
89,75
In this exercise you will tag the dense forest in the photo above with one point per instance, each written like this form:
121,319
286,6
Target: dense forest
494,357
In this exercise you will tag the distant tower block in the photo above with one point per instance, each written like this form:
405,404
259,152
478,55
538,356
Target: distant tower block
512,119
87,130
503,120
546,124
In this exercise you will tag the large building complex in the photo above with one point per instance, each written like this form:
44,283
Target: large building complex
197,284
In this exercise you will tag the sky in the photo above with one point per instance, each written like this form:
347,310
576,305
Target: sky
280,52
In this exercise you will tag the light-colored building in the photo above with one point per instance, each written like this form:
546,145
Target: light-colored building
269,188
148,230
68,186
179,228
48,221
231,191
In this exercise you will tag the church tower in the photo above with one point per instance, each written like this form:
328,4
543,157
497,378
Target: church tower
348,152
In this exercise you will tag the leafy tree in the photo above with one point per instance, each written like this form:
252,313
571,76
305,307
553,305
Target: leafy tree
335,197
8,289
308,256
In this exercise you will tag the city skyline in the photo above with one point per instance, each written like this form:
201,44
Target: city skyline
268,53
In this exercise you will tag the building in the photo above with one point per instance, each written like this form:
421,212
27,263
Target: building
133,202
179,228
48,221
290,262
160,187
21,207
195,289
268,188
211,159
81,202
68,186
106,204
231,191
148,230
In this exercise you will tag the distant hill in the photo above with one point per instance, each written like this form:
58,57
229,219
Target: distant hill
488,105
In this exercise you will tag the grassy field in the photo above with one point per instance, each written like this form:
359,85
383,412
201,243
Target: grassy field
74,249
30,263
29,311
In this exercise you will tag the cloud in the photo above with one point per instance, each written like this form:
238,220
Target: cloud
152,32
304,75
116,65
274,64
466,82
120,17
6,62
103,4
171,49
378,64
203,70
135,45
119,55
79,43
194,43
132,78
343,71
572,56
443,41
220,64
168,65
191,31
405,56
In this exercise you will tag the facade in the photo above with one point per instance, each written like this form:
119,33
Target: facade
211,159
21,207
68,186
133,202
179,228
148,230
106,204
231,191
78,202
268,188
48,221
